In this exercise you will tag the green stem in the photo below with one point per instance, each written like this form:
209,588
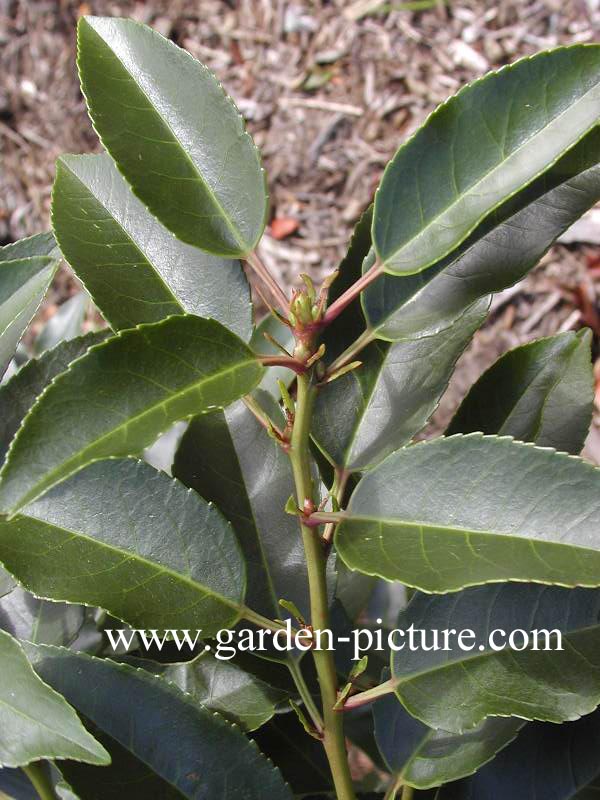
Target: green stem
337,493
333,730
304,692
361,699
351,352
263,622
398,786
41,782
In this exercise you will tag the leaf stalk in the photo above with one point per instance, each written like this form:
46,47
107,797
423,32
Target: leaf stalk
40,780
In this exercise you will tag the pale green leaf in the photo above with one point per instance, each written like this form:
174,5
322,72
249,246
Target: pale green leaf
465,510
478,149
174,134
134,268
122,536
35,721
118,397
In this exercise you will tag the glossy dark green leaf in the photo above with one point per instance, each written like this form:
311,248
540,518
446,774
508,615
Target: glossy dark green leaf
19,393
195,750
465,510
425,757
456,687
351,322
126,776
368,413
35,721
553,762
541,392
117,398
175,135
134,268
228,458
223,686
122,536
500,251
478,149
27,617
23,284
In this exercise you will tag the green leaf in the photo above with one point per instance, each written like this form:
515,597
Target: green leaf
167,371
40,245
424,757
351,322
224,687
122,536
478,681
133,267
198,752
541,392
65,324
532,515
554,762
494,256
36,722
27,617
19,393
126,777
228,458
478,149
23,284
175,135
368,413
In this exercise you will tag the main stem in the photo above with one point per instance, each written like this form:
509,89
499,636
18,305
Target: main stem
333,730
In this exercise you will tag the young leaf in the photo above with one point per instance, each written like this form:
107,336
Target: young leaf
478,149
122,536
174,134
195,750
532,515
133,267
19,393
424,757
36,722
117,398
368,413
556,762
23,284
480,681
228,458
493,257
526,393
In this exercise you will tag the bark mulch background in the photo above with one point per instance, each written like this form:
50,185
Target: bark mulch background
329,90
